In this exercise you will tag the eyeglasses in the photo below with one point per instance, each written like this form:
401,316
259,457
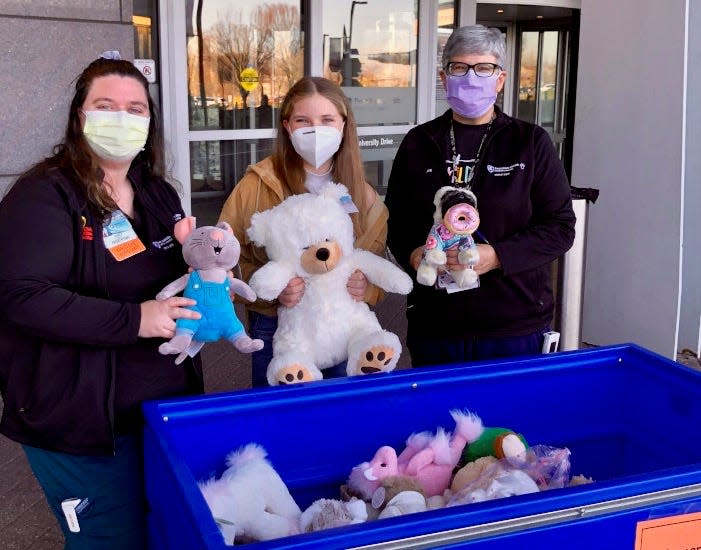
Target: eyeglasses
455,68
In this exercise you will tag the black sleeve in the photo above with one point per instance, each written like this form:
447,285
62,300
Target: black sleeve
551,230
410,209
38,234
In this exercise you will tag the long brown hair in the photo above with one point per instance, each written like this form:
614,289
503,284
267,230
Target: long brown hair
347,164
74,155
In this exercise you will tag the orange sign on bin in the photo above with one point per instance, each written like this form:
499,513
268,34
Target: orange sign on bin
682,532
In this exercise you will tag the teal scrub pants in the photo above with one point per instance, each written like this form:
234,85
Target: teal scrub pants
112,512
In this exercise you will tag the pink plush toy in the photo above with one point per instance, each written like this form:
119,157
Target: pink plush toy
427,458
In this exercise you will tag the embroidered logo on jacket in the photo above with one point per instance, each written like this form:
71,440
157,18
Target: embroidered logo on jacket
164,244
504,170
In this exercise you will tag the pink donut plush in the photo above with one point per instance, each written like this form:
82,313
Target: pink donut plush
455,220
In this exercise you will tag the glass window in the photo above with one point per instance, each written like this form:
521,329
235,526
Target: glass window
538,84
528,76
370,50
145,35
145,23
242,57
548,81
215,167
446,24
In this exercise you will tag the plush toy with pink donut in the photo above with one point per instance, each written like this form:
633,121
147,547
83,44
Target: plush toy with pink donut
455,220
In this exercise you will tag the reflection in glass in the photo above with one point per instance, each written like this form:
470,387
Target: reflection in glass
528,77
446,15
142,37
370,50
548,78
215,167
446,24
242,57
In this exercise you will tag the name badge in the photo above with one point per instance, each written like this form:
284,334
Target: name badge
120,238
445,281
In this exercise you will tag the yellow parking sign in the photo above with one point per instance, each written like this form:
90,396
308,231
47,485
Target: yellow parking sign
249,79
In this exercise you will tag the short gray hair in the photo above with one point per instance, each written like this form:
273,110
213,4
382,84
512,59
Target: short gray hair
475,39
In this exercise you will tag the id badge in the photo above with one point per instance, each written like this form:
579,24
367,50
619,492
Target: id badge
72,508
445,281
120,238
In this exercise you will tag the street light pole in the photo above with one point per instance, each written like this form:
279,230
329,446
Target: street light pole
350,30
347,51
323,47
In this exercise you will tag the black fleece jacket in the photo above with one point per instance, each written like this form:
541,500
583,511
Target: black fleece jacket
525,207
64,338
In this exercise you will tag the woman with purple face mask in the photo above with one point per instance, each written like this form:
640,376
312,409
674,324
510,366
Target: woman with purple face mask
472,85
523,198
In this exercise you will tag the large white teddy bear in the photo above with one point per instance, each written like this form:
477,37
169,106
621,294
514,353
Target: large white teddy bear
311,236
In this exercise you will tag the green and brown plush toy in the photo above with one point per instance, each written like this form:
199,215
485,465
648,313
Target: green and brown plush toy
497,442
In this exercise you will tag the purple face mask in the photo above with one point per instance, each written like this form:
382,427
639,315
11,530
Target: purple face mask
471,96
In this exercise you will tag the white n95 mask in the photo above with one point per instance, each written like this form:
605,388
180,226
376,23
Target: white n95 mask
316,144
115,135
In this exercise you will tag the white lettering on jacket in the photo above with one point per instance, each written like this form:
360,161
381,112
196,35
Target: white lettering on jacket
504,170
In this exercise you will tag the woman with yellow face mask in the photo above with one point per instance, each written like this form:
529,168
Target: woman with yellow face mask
88,239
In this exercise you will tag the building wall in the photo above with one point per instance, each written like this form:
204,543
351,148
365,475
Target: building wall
691,267
43,47
629,143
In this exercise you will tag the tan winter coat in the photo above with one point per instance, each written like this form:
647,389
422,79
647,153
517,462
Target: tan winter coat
260,189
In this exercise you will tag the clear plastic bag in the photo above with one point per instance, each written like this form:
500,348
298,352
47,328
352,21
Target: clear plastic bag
548,466
542,468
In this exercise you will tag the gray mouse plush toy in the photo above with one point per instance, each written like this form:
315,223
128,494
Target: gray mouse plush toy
211,252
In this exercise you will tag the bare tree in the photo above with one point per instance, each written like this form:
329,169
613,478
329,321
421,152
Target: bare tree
270,43
232,43
280,43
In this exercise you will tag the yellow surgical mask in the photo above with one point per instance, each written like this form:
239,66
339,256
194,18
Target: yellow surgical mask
115,135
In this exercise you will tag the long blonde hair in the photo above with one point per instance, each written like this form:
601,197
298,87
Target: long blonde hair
347,163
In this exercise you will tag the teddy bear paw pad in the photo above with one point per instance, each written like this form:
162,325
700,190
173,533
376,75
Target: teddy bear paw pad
376,359
294,374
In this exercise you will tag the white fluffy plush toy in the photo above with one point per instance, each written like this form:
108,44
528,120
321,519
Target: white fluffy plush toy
250,502
311,236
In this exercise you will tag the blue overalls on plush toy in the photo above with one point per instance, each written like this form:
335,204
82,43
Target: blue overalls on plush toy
219,319
212,252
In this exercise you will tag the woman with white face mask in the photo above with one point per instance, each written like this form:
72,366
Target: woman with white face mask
87,237
316,143
525,213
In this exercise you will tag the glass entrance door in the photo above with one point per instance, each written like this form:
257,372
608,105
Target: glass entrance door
542,81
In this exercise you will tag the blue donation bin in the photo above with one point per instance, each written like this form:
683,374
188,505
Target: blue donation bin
630,418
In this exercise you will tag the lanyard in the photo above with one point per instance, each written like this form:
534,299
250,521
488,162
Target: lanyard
456,156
